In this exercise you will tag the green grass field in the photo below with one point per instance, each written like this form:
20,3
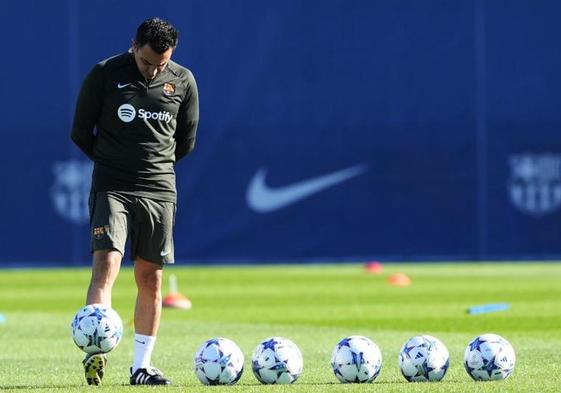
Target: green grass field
315,306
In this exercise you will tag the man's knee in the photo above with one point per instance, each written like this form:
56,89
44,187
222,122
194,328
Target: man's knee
106,264
148,276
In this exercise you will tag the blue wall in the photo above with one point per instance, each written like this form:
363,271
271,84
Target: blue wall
431,129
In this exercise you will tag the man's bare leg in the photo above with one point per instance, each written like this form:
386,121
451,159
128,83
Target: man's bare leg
147,314
105,268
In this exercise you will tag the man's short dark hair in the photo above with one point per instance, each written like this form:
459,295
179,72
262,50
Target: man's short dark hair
158,33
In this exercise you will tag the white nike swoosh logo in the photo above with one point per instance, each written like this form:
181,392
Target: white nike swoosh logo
120,86
264,199
163,254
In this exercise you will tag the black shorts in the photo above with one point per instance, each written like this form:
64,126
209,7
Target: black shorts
116,216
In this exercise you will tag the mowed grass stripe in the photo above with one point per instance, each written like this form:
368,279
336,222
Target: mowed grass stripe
314,306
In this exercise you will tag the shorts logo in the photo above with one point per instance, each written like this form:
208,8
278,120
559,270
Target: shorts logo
126,113
535,183
168,89
99,232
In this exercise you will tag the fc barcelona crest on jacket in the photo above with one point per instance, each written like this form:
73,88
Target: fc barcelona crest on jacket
168,89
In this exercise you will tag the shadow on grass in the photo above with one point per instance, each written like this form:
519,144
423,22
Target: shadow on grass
195,385
35,387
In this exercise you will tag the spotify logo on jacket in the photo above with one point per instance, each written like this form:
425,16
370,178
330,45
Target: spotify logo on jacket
127,113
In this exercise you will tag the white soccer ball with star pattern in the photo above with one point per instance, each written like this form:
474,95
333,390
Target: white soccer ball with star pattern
277,360
489,357
219,361
424,358
97,328
356,359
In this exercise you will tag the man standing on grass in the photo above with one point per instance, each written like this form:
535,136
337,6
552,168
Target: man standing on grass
144,109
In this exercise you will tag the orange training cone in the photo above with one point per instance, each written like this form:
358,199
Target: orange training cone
374,267
174,299
399,280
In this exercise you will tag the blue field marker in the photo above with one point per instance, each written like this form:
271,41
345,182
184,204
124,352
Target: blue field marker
487,308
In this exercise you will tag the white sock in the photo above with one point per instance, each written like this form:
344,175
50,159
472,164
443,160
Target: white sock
143,347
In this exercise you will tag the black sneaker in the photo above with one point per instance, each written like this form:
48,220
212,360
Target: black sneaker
148,376
94,365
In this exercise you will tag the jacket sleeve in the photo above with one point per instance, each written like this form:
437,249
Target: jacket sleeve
187,120
88,109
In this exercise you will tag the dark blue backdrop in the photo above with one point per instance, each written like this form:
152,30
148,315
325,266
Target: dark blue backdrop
330,130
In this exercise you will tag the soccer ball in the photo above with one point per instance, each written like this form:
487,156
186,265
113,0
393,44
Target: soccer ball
489,357
424,358
356,359
97,328
277,360
218,361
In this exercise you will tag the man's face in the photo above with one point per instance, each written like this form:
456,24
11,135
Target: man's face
149,62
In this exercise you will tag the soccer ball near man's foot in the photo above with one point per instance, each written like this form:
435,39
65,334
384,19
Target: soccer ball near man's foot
277,360
219,361
97,328
356,359
424,358
489,357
